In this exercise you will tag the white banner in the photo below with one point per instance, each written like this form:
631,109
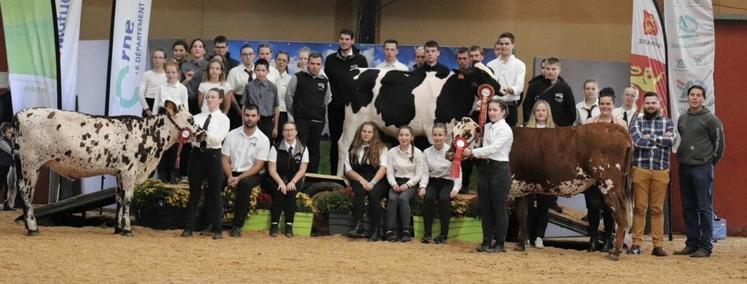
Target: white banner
128,55
692,49
68,33
647,58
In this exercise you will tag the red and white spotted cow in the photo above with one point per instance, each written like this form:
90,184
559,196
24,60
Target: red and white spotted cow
77,145
392,98
566,161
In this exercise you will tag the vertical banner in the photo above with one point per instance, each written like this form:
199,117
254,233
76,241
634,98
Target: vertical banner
68,33
648,55
30,40
692,50
128,55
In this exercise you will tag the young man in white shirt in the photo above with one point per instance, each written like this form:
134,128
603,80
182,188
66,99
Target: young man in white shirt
510,72
245,151
391,49
265,52
240,75
628,111
590,106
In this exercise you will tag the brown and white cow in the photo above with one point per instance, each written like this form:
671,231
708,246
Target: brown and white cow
566,161
77,145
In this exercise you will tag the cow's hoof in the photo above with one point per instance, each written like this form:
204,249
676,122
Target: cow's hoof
520,246
126,233
33,233
117,231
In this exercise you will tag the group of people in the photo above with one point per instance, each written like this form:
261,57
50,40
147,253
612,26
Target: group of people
278,118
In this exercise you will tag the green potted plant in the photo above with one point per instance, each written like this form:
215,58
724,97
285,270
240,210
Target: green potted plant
464,223
335,207
260,217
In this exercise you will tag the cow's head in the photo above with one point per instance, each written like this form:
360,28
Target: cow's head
184,123
459,91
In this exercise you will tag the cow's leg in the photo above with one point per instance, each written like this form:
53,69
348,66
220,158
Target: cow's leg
128,186
30,174
352,122
522,210
616,199
119,198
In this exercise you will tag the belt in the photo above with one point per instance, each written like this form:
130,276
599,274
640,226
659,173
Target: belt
207,150
490,162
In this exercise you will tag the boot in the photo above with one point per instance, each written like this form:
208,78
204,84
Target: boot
375,235
274,230
593,241
607,247
357,230
289,230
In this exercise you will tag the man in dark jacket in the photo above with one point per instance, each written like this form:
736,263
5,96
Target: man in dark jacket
701,148
555,91
337,68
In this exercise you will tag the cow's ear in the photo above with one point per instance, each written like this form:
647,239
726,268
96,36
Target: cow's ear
171,108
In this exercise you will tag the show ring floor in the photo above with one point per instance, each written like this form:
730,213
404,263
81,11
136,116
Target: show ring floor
93,254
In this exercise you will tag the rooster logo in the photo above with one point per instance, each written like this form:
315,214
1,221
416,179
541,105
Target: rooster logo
649,24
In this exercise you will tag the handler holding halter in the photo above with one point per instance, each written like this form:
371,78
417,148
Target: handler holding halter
494,180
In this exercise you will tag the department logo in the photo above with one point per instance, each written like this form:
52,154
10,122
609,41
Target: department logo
687,26
559,97
649,24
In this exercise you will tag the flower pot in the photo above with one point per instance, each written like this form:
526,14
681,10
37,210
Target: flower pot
339,223
162,218
466,229
260,221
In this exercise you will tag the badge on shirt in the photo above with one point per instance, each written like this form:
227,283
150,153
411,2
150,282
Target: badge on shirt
559,97
322,87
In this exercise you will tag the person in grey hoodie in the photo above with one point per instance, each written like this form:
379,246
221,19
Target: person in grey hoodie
701,148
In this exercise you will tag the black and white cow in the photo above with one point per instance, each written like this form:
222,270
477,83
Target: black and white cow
392,98
77,145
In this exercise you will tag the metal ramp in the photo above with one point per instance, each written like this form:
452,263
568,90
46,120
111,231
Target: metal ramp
77,204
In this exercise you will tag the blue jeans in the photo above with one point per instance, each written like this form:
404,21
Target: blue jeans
697,204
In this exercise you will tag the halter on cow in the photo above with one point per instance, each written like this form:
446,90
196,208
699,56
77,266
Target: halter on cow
77,145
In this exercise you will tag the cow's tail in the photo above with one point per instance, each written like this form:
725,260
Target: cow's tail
627,168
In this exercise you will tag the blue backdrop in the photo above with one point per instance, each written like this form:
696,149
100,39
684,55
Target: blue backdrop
373,52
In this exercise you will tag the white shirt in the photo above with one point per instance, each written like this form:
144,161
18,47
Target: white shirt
401,165
439,167
205,86
361,151
511,74
497,142
244,150
618,113
273,156
176,93
396,65
150,86
273,75
583,113
216,131
282,84
237,78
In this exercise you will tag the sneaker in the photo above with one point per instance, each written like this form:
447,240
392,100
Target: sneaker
441,239
236,232
391,236
685,251
288,231
499,248
184,180
538,243
217,235
485,247
186,233
273,230
635,249
406,236
375,237
427,239
659,251
701,253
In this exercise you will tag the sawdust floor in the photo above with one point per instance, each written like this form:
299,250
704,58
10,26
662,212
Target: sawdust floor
94,254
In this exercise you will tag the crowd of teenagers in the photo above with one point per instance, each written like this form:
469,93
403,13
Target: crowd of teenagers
264,126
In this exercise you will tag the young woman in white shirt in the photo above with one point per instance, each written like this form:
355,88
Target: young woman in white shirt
152,81
215,77
365,167
494,179
288,160
174,91
405,168
437,184
206,163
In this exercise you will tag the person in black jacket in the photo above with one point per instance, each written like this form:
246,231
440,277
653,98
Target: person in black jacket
431,60
337,68
6,160
555,91
288,160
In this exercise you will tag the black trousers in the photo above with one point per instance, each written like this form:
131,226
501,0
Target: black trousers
282,119
266,125
149,101
283,203
375,211
438,190
336,116
595,206
243,192
493,185
205,165
234,115
537,218
512,117
310,134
